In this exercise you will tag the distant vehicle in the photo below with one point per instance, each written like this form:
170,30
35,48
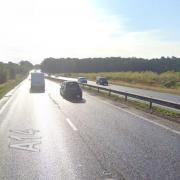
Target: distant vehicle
82,80
71,89
101,81
37,81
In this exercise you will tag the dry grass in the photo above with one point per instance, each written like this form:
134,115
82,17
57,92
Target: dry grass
166,82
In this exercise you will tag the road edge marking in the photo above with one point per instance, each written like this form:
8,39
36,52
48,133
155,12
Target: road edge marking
10,98
143,118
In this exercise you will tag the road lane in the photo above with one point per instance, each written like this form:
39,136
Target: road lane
62,155
108,143
127,142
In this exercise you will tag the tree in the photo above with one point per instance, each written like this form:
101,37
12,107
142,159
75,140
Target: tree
3,73
25,66
69,65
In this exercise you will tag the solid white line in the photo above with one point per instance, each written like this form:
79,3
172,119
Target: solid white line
10,98
5,105
71,124
143,118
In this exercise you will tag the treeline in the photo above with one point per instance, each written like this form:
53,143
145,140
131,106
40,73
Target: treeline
110,64
10,70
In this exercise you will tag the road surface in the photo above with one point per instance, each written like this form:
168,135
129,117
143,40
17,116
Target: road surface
45,137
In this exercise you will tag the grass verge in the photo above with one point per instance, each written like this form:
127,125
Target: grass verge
7,86
168,82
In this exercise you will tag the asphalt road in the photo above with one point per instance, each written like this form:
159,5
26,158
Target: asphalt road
43,136
154,94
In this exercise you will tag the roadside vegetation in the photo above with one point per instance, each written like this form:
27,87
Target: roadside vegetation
110,64
12,74
10,84
165,82
160,74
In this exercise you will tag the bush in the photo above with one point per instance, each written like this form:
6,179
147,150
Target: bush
171,83
167,79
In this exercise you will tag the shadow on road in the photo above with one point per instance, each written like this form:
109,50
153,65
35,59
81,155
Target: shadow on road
36,91
75,100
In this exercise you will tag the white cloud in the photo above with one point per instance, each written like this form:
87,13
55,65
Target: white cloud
35,29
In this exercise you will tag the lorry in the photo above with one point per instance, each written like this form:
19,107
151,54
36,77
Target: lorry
37,81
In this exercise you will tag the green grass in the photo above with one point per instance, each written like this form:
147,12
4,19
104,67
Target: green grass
7,86
164,82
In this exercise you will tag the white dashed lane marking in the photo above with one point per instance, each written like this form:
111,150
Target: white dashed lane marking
71,124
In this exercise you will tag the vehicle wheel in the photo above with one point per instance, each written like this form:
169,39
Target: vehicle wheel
65,96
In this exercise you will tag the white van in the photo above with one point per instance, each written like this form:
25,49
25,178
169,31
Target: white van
37,81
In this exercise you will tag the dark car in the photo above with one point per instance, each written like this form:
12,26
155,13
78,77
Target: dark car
102,81
82,80
71,89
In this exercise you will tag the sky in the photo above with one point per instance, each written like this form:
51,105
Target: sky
36,29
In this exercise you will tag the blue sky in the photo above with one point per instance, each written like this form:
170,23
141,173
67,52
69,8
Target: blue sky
36,29
146,14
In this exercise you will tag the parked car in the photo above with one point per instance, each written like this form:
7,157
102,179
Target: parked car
71,89
101,81
82,80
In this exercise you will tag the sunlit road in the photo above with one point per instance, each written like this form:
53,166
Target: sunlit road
43,136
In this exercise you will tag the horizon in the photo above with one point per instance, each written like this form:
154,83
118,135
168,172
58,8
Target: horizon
108,57
34,30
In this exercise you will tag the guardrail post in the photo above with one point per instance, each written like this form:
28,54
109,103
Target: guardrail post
150,104
109,92
125,97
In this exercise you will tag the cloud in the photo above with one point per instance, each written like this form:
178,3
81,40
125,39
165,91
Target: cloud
35,29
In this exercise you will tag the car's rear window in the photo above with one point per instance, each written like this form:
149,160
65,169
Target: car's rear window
103,79
72,85
82,78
